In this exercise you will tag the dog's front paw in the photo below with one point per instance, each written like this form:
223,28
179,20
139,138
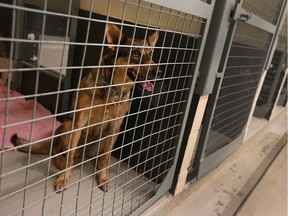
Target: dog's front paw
105,187
61,182
103,183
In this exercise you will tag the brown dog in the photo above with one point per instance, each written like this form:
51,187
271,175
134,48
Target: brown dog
101,105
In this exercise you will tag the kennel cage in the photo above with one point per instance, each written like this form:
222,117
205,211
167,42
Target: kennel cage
253,26
51,46
274,78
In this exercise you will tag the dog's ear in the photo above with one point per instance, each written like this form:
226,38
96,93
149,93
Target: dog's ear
113,35
153,38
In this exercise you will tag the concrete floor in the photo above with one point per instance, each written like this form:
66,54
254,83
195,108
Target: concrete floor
128,188
269,197
233,188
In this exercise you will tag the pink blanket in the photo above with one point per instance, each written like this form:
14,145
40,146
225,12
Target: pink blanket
21,110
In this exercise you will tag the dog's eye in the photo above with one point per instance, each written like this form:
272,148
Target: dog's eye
135,53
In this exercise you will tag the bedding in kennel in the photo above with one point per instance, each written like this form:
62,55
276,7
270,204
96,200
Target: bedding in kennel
17,115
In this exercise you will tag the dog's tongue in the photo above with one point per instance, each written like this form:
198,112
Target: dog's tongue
148,86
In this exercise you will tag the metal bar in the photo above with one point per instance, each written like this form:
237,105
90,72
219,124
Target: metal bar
34,108
56,110
199,8
218,31
255,20
71,32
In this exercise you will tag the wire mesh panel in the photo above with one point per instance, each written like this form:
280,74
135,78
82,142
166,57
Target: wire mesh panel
274,77
100,90
272,84
268,10
244,67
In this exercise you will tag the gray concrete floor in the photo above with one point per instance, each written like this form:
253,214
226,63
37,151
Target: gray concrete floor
39,198
233,187
269,197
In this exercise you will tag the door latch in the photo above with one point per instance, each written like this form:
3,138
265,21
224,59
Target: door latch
241,14
245,16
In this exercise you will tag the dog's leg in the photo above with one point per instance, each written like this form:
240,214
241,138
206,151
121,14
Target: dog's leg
63,179
103,160
60,159
60,162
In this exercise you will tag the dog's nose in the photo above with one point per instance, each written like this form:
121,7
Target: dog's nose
157,73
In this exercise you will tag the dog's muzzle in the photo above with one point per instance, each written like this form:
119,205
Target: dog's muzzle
144,82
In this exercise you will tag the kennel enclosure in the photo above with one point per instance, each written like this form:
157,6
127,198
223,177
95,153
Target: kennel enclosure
52,45
213,55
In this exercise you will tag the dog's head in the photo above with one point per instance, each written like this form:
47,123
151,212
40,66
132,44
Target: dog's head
133,58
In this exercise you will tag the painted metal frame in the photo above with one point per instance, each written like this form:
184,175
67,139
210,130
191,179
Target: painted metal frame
195,7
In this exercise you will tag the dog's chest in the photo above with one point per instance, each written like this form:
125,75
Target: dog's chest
107,115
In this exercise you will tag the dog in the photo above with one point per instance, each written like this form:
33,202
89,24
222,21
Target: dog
101,105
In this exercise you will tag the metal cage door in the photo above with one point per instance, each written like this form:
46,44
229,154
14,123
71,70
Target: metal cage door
248,44
274,78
